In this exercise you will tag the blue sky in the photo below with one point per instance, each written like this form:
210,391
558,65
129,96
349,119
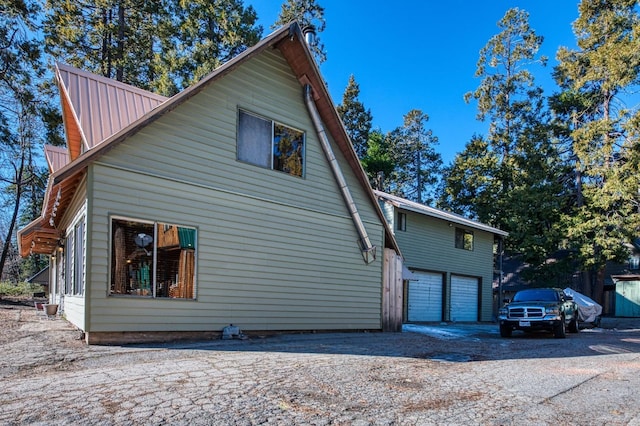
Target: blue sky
422,54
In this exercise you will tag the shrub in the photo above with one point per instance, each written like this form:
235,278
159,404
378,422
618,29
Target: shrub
20,289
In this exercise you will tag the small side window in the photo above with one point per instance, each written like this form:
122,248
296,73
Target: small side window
464,239
401,222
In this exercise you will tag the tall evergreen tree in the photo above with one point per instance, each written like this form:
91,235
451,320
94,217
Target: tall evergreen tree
470,185
603,132
356,119
307,13
204,34
379,162
419,166
160,46
507,179
113,38
21,103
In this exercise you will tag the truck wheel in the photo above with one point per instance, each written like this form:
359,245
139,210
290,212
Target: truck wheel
560,330
573,326
505,331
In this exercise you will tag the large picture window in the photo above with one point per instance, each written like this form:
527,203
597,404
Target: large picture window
265,143
152,259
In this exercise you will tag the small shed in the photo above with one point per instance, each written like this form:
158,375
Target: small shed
627,295
41,278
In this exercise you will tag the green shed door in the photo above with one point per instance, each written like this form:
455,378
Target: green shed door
628,299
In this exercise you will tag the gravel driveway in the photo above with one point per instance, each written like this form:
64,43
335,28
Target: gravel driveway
449,374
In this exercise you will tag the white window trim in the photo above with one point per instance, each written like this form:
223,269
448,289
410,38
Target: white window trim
70,254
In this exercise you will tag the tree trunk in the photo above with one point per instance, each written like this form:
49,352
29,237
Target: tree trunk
105,56
598,288
14,215
120,43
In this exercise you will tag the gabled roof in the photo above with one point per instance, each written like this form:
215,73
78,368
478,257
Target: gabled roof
57,157
96,95
95,107
412,206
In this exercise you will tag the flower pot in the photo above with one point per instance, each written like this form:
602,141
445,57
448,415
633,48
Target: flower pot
51,309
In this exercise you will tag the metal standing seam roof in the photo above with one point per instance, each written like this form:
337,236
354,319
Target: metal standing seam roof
405,204
102,106
57,157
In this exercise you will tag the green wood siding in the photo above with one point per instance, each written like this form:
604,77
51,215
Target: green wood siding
275,252
429,244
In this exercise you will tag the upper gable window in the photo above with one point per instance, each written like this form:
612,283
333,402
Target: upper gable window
265,143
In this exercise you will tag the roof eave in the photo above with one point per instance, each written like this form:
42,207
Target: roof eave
400,203
300,58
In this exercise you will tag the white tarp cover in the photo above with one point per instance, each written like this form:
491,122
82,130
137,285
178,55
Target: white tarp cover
588,310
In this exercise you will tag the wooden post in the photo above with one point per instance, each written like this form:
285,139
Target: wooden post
392,294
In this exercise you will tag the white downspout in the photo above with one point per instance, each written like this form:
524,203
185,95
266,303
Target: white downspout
368,250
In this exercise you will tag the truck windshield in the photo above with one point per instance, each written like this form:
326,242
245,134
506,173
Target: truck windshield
536,295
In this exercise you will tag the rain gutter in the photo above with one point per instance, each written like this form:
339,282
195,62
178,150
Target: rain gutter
368,250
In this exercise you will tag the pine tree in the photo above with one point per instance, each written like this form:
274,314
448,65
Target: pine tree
602,132
21,103
308,14
159,46
202,35
470,187
507,179
356,119
419,166
112,38
379,162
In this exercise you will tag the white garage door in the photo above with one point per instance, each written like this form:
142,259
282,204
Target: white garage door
464,298
425,297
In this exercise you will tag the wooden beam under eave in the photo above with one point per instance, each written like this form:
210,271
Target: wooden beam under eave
40,241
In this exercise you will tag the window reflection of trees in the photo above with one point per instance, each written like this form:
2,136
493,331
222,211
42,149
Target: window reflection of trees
288,150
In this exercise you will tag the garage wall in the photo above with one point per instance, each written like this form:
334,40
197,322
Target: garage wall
428,244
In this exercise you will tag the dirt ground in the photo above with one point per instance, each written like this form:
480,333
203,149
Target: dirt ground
423,376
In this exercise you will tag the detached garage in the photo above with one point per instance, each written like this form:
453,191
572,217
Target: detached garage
451,258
